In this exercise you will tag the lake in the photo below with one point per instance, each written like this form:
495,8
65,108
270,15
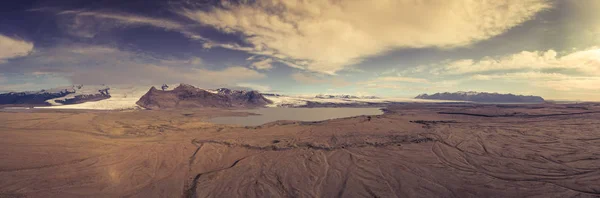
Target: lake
298,114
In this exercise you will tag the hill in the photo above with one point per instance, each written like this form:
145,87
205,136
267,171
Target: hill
188,96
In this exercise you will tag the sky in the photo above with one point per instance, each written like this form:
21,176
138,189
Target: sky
389,48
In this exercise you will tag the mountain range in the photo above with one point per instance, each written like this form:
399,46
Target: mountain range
482,97
188,96
75,94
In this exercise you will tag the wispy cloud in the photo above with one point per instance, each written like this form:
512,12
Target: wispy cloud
89,64
265,64
329,36
89,23
313,78
584,62
13,48
553,81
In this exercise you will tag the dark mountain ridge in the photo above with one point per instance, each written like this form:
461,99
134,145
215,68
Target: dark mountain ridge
32,98
482,97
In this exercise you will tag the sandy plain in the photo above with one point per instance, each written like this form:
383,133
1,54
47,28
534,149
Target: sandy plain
413,150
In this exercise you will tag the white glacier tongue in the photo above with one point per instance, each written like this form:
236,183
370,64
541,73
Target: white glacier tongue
122,97
77,90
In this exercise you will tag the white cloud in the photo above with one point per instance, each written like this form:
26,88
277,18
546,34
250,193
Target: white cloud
395,83
131,19
89,23
265,64
553,81
330,35
585,62
13,48
194,61
548,73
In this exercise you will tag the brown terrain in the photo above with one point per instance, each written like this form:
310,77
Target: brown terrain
413,150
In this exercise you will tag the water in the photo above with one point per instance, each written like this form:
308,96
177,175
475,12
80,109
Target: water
298,114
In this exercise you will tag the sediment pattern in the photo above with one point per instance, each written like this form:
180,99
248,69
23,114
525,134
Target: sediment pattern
411,151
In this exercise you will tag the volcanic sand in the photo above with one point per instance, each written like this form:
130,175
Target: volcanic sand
413,150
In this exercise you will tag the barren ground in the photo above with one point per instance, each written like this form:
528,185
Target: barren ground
414,150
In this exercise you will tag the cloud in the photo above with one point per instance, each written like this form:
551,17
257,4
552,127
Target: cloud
156,74
550,73
553,81
265,64
125,18
13,48
329,35
403,84
308,78
257,87
89,23
83,64
584,62
522,76
194,61
571,84
395,83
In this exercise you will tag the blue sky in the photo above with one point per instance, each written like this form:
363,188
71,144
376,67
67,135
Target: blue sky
382,47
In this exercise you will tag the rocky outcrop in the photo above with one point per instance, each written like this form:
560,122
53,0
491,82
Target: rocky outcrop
482,97
187,96
244,98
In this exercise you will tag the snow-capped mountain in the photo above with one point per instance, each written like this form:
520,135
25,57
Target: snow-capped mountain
56,96
188,96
